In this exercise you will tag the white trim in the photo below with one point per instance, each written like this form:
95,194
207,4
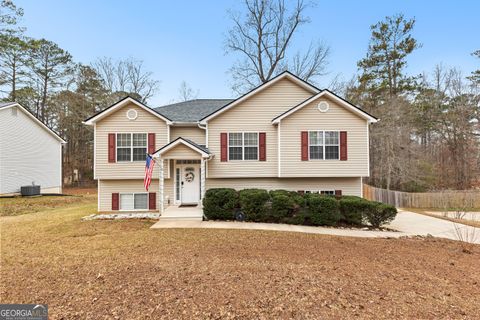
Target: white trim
368,149
43,125
121,104
133,193
168,134
361,187
331,96
263,86
61,168
279,150
324,145
161,186
95,151
174,144
243,146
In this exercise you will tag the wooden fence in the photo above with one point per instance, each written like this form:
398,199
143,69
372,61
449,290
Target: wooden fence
439,200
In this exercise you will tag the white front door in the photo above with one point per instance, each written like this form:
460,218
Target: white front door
189,183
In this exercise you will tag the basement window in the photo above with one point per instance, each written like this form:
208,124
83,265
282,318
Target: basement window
133,201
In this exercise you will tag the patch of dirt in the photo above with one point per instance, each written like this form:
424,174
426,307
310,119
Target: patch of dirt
124,270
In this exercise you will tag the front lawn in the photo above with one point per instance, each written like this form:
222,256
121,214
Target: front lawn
123,269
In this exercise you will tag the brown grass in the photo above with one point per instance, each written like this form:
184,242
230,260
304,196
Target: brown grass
123,269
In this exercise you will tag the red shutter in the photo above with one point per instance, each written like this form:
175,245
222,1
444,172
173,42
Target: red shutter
223,147
343,146
152,201
114,201
262,137
304,145
111,147
338,193
151,143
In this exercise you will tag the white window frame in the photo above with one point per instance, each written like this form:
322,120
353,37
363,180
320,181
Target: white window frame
331,192
131,146
324,145
133,198
243,146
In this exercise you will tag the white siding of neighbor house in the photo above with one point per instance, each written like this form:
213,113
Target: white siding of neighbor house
349,186
254,115
195,134
28,153
118,122
337,118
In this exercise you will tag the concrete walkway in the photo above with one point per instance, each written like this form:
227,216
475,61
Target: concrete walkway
407,223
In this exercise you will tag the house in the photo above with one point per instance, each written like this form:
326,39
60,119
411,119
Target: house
284,134
30,152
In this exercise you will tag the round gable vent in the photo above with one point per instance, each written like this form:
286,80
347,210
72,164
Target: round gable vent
323,106
132,114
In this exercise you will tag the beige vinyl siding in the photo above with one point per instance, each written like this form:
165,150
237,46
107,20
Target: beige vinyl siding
310,119
253,115
195,134
107,187
117,122
349,186
181,151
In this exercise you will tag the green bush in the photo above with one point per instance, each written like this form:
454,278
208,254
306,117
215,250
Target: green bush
220,203
282,206
379,214
301,218
297,198
352,209
254,204
324,210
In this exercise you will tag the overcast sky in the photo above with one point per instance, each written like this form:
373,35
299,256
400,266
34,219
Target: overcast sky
183,40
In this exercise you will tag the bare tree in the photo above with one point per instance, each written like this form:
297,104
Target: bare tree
185,92
262,38
127,76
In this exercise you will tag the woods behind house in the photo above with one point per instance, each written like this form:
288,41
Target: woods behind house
428,137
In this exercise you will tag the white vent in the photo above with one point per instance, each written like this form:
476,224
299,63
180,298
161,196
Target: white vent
323,106
132,114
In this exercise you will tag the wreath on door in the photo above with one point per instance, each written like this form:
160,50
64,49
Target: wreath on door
189,175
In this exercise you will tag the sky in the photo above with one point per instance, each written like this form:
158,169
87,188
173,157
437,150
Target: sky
184,40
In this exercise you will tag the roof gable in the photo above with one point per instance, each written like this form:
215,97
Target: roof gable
285,75
182,141
120,104
192,110
328,94
33,118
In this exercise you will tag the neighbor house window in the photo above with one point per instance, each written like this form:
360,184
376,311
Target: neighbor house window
131,146
133,201
243,146
324,145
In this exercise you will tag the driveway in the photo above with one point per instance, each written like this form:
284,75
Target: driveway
407,223
417,224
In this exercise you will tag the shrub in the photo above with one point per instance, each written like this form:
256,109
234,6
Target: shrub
380,213
282,206
301,218
324,210
220,203
254,204
352,209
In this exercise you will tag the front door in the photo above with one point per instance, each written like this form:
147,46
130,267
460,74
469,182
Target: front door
189,183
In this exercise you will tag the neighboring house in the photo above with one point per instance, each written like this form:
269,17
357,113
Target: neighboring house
30,152
284,134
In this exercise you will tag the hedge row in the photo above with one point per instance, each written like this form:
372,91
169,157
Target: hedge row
282,206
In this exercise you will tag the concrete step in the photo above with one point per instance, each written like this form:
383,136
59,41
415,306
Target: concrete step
182,218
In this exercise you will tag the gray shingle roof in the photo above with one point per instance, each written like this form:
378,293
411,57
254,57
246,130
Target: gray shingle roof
192,110
4,104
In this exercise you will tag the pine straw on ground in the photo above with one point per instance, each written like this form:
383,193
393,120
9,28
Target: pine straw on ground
124,270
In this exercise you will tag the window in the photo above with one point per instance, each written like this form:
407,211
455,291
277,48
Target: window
133,201
131,146
328,192
177,184
324,145
243,146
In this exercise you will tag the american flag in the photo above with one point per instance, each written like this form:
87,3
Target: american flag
148,171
